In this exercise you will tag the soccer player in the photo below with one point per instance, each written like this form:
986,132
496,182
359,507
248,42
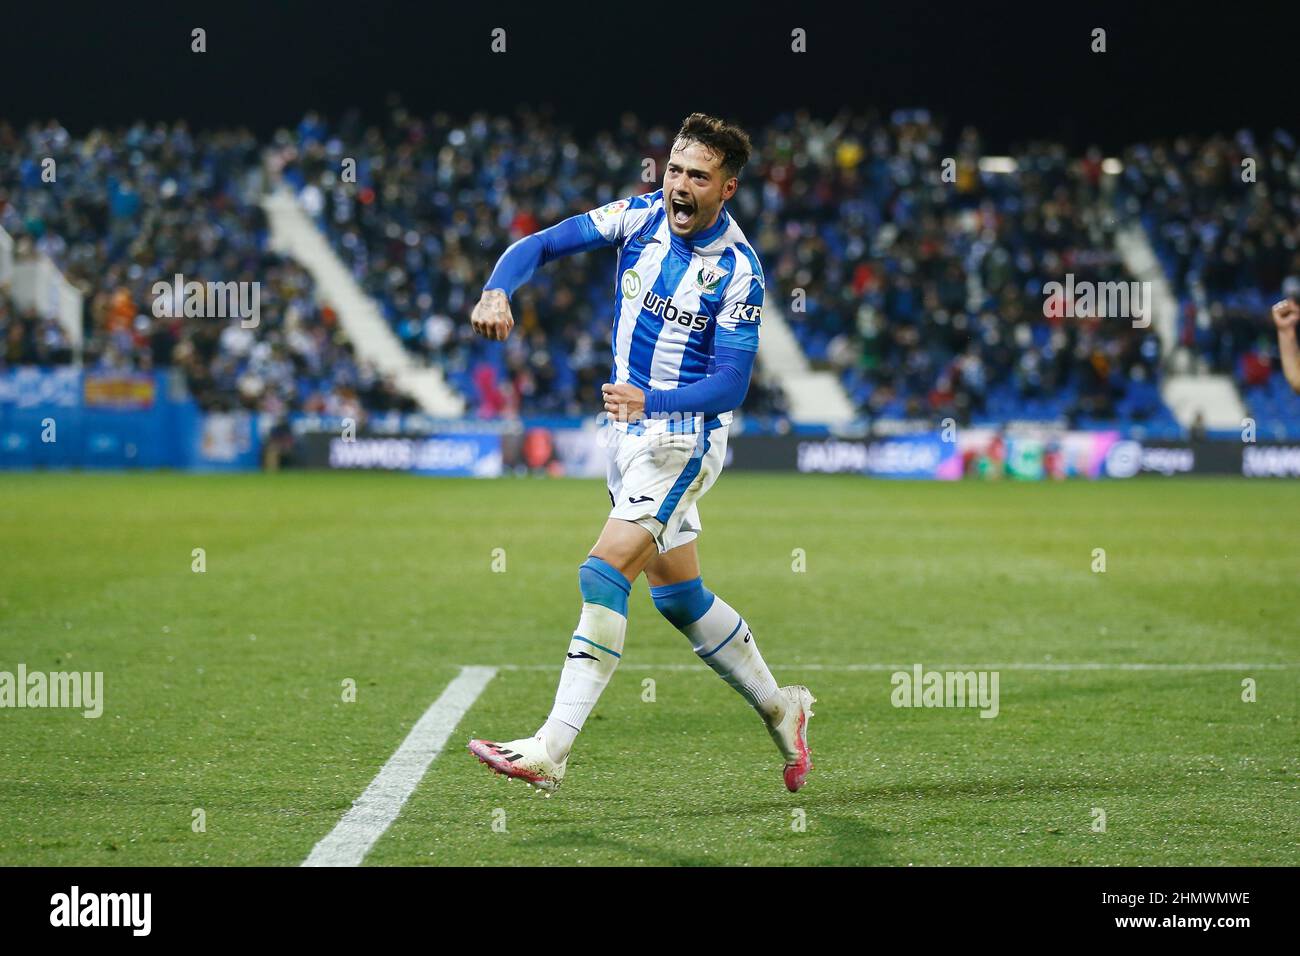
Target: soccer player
688,297
1285,315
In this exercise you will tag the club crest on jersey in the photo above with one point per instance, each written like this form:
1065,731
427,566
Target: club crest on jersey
708,277
631,284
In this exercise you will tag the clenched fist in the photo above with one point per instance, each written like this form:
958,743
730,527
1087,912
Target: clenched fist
625,402
1285,314
491,318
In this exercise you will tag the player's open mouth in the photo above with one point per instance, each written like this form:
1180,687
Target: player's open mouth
682,212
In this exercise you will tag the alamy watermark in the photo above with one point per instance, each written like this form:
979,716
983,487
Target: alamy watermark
921,688
75,908
79,690
208,300
1102,300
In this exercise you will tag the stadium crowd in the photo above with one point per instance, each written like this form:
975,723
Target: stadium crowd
925,295
118,212
435,203
1224,216
900,263
920,276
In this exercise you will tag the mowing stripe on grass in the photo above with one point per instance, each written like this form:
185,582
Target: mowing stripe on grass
1044,666
372,813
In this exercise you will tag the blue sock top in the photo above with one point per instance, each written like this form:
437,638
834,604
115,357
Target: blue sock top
602,583
683,603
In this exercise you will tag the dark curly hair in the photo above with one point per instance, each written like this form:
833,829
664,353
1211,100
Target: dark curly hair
728,141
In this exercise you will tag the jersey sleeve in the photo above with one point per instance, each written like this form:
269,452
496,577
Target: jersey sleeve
721,391
621,218
518,263
741,312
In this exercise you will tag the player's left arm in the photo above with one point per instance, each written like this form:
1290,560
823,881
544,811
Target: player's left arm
735,343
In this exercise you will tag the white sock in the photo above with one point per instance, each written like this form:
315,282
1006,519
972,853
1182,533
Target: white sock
594,652
724,642
558,737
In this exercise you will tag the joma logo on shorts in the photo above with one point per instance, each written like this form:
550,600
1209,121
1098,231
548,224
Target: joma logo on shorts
658,305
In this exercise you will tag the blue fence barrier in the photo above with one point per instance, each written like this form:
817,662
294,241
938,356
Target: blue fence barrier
66,418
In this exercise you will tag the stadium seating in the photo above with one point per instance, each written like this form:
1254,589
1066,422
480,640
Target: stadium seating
919,283
134,207
1223,215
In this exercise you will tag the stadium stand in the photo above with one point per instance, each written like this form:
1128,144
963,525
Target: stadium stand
928,295
436,202
1223,214
141,205
922,291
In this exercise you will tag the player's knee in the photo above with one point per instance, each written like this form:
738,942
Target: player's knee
682,603
602,583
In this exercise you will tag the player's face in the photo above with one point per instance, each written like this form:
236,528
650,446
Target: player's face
695,187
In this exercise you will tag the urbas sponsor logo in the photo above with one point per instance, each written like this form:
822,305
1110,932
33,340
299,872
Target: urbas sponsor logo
658,305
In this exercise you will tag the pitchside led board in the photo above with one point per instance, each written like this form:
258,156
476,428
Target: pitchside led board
67,418
1025,456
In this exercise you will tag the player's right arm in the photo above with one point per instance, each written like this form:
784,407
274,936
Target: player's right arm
1285,316
605,226
491,318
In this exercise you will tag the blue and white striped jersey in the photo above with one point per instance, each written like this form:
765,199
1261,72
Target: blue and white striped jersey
675,299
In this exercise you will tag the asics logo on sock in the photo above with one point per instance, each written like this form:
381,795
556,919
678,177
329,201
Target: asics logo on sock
637,501
582,654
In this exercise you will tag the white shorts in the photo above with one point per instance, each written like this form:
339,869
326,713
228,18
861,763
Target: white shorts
655,480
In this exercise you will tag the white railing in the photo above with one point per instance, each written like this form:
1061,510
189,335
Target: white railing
36,284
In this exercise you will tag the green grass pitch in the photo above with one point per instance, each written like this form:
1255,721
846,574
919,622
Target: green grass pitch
224,688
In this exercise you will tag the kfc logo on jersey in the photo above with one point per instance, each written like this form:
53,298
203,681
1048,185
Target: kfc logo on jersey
746,313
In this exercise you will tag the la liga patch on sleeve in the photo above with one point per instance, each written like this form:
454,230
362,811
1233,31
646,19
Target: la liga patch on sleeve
608,211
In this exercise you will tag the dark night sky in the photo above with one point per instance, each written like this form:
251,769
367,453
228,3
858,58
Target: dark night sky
1016,70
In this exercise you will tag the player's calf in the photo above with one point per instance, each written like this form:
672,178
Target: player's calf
722,640
594,652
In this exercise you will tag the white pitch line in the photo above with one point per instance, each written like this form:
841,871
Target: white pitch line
1044,666
375,810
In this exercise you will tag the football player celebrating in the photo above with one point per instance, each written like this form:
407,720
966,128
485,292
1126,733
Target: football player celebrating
688,299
